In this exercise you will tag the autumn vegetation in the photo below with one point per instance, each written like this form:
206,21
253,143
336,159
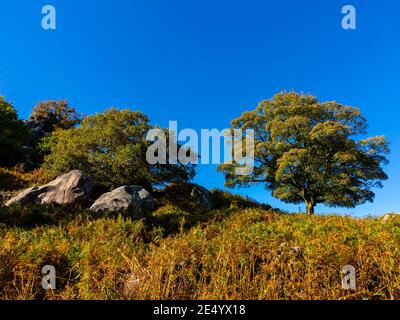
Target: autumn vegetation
230,253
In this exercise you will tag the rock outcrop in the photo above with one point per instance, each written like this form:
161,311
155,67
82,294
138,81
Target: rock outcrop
72,188
127,198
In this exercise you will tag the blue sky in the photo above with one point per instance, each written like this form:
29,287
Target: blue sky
203,63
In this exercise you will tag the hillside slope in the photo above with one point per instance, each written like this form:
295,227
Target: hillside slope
223,254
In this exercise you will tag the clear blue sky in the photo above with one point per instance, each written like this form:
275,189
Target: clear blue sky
204,62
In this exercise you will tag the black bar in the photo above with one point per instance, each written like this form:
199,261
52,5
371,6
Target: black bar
211,309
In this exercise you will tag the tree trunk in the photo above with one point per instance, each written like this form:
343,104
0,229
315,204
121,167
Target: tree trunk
310,207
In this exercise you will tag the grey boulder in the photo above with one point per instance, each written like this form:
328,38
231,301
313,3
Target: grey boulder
72,188
127,198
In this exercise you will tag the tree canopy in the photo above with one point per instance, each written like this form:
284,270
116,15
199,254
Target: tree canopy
13,134
308,151
111,147
47,116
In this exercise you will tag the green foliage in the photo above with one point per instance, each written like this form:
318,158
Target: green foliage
46,117
306,151
179,195
223,199
111,147
171,219
13,134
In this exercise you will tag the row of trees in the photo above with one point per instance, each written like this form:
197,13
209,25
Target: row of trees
109,146
305,150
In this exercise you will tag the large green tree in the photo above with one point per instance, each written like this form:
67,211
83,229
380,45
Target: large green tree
311,152
13,134
111,147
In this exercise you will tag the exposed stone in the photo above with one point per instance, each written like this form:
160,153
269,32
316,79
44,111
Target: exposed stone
72,188
127,198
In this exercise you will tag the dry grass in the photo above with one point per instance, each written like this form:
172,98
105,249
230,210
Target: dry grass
249,254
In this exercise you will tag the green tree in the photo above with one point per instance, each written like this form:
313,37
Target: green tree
13,134
46,117
111,147
307,151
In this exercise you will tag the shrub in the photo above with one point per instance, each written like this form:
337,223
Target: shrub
11,180
223,199
171,219
38,176
181,196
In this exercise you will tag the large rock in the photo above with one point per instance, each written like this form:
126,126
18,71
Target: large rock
72,188
389,216
127,198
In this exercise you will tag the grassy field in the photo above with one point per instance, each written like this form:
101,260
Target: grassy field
231,253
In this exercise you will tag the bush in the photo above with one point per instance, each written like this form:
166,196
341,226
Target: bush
223,199
181,196
38,215
11,179
171,219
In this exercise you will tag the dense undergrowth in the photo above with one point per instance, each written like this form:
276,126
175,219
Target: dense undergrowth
234,252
